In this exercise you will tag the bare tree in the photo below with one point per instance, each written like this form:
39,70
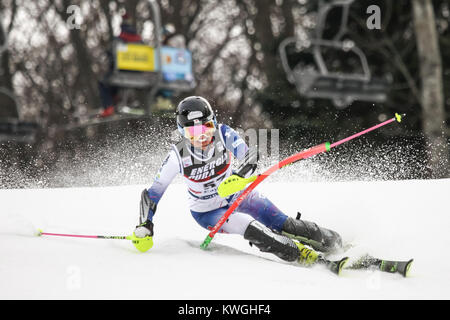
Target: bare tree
7,101
432,96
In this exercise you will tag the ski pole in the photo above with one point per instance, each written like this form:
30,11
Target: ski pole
42,233
142,244
290,160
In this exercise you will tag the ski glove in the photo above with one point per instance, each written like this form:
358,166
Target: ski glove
248,167
147,207
145,229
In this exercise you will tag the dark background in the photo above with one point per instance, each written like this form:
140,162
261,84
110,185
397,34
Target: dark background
54,71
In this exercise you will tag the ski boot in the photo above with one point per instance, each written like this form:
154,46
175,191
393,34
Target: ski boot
307,256
309,233
283,247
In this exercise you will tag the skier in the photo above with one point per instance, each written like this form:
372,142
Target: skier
203,157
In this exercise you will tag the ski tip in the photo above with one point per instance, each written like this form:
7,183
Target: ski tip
334,266
39,232
407,268
341,265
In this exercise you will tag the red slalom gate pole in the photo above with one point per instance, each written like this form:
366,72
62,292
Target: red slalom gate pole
294,158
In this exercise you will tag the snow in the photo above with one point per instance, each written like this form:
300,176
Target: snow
388,219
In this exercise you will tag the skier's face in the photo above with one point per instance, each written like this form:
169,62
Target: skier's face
200,135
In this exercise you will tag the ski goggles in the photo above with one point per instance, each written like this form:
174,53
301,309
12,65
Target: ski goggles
200,132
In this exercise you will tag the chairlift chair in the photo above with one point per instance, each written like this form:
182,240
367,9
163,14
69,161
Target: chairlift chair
318,81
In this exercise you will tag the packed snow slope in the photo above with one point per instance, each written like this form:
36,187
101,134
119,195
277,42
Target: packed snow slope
388,219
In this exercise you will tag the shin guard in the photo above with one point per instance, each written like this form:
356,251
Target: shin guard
309,233
268,241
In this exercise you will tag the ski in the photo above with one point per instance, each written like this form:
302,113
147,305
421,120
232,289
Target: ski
334,266
390,266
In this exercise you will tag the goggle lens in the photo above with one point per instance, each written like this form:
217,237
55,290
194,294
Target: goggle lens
198,131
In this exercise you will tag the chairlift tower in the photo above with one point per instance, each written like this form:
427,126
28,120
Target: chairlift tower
12,128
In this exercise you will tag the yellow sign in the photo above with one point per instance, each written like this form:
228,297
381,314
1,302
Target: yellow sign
135,57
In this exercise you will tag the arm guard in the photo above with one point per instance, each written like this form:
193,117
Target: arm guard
147,207
248,167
